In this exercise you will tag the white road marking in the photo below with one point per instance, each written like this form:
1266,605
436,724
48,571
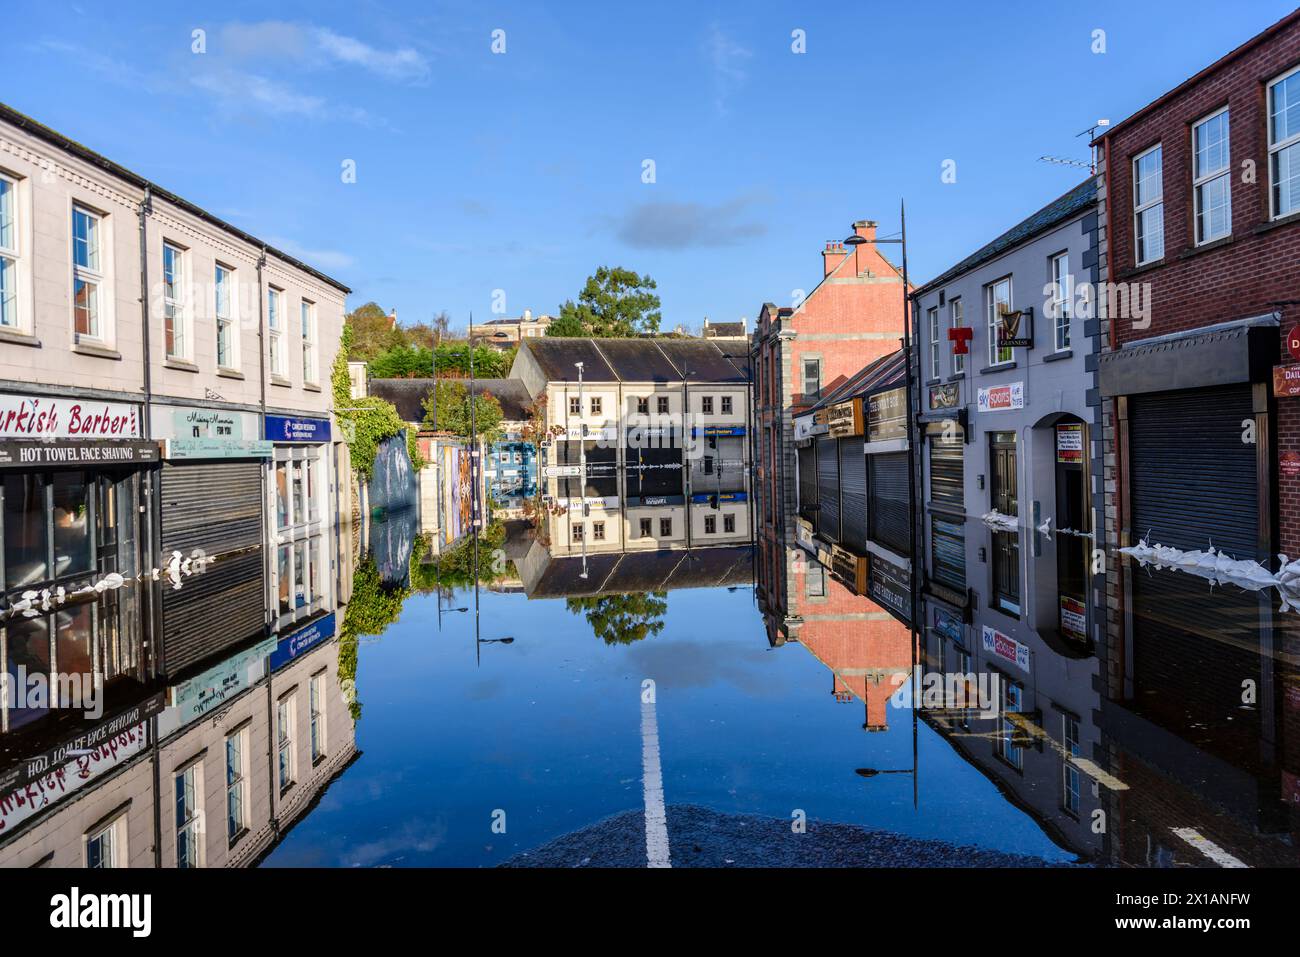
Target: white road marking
656,818
1208,847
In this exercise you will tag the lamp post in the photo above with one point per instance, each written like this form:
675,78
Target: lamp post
582,471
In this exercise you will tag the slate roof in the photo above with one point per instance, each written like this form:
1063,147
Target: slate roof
724,330
637,360
884,373
666,570
1058,210
556,357
407,395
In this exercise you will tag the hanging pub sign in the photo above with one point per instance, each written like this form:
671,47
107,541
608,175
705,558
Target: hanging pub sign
887,415
845,419
1001,398
1016,328
944,396
1286,380
849,568
42,417
1069,443
74,453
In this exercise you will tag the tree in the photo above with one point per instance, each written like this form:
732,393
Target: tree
372,332
453,409
622,619
402,362
614,303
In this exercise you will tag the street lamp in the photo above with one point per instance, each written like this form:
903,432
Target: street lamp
582,471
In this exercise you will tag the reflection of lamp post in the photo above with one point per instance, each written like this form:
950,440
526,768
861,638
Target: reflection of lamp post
582,472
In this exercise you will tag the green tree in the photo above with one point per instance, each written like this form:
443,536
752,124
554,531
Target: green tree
402,362
454,409
372,332
452,358
614,303
622,619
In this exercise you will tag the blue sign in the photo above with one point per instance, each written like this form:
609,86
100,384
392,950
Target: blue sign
292,428
302,640
714,431
723,497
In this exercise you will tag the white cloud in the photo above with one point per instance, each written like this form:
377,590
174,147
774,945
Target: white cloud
305,43
323,259
727,59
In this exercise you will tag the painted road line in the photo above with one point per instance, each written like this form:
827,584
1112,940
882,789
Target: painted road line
656,818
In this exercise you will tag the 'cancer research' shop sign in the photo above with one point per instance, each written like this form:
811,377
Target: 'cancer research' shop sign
287,428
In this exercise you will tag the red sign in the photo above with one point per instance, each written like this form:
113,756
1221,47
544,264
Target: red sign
1286,381
1289,463
960,337
1293,342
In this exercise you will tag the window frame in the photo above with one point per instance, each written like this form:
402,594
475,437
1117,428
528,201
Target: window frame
1140,209
317,725
957,320
92,275
804,378
1061,298
238,787
12,255
932,324
596,404
706,405
1275,149
275,331
575,405
174,311
193,824
1202,180
116,826
309,332
285,741
228,319
991,322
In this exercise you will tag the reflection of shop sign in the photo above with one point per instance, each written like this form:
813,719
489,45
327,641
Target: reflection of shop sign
39,417
301,641
660,500
1000,398
717,431
803,535
1074,619
887,415
1069,443
701,498
1005,647
77,453
215,686
944,396
890,587
1286,380
552,471
849,568
845,419
285,428
948,625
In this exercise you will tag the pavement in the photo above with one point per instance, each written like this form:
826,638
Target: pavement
702,837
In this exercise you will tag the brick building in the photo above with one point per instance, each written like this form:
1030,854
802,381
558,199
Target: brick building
1200,208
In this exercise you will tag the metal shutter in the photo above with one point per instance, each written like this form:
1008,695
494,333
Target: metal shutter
215,507
828,488
948,542
889,501
807,477
946,473
853,492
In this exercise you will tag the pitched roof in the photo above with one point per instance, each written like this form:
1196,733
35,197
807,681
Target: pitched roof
408,395
636,360
1057,211
627,572
887,372
557,357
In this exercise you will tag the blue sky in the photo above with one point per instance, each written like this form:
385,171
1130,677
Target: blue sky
522,171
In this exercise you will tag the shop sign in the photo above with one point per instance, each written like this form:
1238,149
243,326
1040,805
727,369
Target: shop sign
849,568
717,431
1016,329
210,690
887,415
1069,443
1074,619
302,641
194,423
289,428
944,396
845,418
890,587
1289,463
703,498
948,625
1005,647
77,453
1293,342
41,417
1001,398
1286,381
803,535
219,449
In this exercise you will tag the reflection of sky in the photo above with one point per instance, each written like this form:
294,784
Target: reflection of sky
548,730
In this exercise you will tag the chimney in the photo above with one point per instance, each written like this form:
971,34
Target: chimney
832,256
866,228
392,319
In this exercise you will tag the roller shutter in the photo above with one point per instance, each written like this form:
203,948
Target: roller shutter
853,494
889,501
946,473
807,478
828,488
215,507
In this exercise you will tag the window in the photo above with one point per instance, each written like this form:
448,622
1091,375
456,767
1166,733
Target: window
643,406
665,527
106,845
189,811
1284,143
87,275
301,580
1149,206
729,522
726,405
598,531
575,405
997,298
706,404
284,742
174,338
814,579
577,531
812,377
8,253
955,321
236,785
1070,770
316,714
597,405
1211,178
645,528
1061,293
310,374
223,286
710,524
662,405
275,330
1012,703
933,317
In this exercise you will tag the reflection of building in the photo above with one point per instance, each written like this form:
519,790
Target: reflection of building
646,442
508,333
546,575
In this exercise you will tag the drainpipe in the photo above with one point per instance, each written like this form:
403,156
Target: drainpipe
146,206
148,479
268,468
1120,448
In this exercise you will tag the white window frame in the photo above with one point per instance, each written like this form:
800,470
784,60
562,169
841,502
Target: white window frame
117,831
990,305
286,762
11,256
1062,290
1275,149
275,330
575,405
710,525
597,404
304,534
597,531
93,275
1203,179
238,788
932,321
310,365
1071,777
803,381
729,518
956,320
317,728
1150,204
174,305
192,825
576,531
225,314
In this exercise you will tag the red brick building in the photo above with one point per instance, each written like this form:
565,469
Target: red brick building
853,316
1200,269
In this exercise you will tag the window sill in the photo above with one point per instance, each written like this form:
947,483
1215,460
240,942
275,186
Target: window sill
180,364
956,376
318,760
280,381
311,387
1059,356
1212,245
935,381
1287,220
239,836
229,373
100,352
19,338
1144,267
1000,367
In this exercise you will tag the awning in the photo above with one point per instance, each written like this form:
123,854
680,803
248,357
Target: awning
1244,350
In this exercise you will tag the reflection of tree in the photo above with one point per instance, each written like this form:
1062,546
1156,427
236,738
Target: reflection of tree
454,568
622,619
370,610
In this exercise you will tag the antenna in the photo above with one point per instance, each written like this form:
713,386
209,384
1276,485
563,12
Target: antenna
1061,161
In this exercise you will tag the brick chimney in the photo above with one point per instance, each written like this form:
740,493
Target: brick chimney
832,256
392,319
